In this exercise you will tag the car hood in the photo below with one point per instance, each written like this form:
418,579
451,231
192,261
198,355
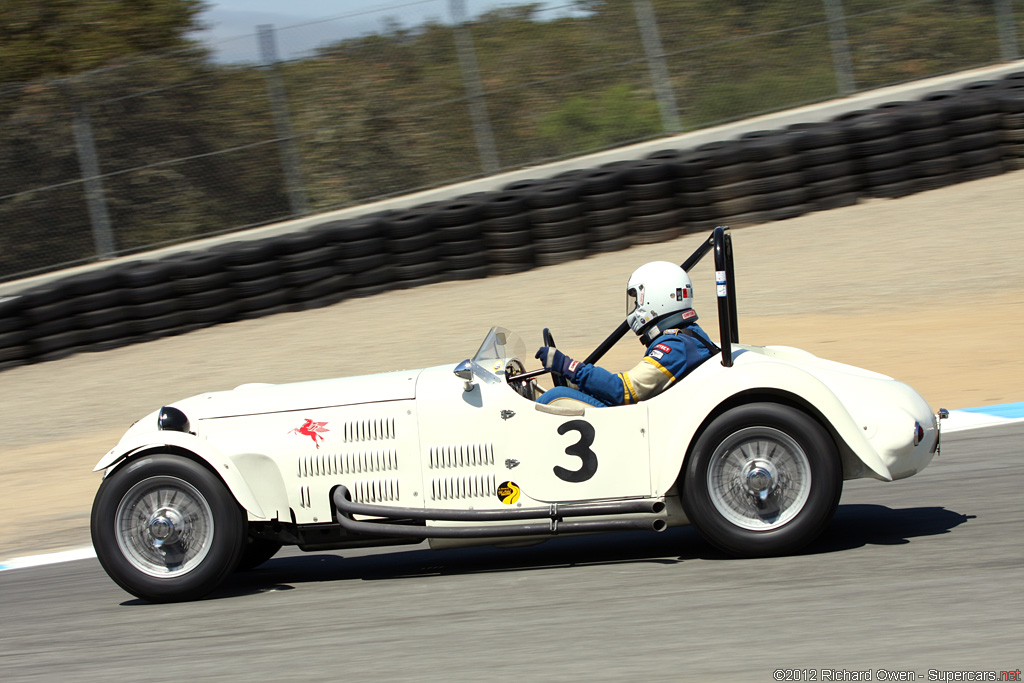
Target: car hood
258,399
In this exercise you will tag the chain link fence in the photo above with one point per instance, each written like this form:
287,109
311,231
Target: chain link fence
173,146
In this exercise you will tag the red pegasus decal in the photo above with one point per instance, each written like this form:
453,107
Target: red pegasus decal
312,430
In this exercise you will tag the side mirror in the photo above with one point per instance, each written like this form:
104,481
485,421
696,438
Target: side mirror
464,371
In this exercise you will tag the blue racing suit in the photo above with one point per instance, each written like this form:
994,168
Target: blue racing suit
669,358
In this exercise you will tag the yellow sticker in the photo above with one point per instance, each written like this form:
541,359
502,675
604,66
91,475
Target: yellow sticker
508,492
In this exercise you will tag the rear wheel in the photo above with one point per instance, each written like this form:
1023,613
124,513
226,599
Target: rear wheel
167,529
763,479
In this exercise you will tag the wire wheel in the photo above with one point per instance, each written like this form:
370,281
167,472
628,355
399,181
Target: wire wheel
759,478
762,479
164,527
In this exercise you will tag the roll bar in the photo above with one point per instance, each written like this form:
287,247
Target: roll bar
725,285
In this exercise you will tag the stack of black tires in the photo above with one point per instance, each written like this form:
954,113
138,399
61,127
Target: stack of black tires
892,150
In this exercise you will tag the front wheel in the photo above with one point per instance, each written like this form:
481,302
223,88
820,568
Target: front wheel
256,552
166,529
763,479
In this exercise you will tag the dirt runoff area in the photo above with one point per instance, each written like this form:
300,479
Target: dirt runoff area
928,289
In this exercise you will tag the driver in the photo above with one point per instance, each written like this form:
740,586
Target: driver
659,309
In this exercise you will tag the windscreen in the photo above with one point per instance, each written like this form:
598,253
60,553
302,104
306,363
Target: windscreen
500,344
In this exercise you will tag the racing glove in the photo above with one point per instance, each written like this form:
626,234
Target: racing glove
557,362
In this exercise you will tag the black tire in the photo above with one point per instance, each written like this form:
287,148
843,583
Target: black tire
926,136
614,244
254,271
834,201
649,171
555,258
514,223
205,510
463,261
503,204
601,181
505,240
827,188
607,232
745,188
509,268
362,248
878,146
603,202
824,155
572,226
728,516
880,162
647,207
655,222
556,245
829,171
256,552
474,273
419,242
555,214
456,212
417,271
656,236
458,233
931,151
470,246
614,216
521,254
553,194
893,190
656,190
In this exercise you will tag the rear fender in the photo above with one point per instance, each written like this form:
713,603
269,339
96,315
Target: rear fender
720,390
253,479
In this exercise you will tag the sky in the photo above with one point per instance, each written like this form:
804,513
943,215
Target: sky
302,25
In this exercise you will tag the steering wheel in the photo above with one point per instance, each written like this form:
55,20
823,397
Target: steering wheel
557,379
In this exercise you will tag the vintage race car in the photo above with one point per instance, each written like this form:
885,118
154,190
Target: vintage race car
752,449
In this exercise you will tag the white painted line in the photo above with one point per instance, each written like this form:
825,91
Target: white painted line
48,558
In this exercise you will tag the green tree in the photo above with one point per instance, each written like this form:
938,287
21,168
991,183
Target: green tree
50,38
616,116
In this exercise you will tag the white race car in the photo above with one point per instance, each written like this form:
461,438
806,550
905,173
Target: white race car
752,449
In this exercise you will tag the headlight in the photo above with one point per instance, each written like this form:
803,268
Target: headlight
172,419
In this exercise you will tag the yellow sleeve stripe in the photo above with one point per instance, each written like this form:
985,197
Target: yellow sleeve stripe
629,391
629,386
661,367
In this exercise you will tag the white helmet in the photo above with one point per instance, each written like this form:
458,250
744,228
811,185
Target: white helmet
656,290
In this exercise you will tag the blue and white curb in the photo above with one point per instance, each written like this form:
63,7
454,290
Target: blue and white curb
987,416
959,420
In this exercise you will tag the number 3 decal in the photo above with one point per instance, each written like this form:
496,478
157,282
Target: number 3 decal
580,449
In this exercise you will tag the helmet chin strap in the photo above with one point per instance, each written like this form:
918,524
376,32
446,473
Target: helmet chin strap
670,321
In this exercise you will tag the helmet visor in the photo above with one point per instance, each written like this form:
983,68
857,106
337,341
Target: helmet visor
630,300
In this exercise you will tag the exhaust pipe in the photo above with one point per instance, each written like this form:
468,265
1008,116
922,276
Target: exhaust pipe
343,501
550,528
553,526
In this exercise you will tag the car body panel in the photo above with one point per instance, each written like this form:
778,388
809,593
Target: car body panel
427,438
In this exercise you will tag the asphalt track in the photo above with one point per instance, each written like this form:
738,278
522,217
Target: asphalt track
919,575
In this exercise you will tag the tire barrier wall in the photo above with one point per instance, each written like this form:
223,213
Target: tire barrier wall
892,150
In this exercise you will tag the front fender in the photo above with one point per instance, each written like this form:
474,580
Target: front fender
253,479
719,385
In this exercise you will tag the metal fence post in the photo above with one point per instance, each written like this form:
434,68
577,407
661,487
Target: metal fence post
89,164
663,89
840,44
485,146
290,159
1009,48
